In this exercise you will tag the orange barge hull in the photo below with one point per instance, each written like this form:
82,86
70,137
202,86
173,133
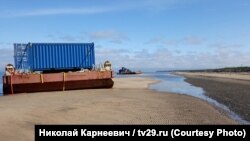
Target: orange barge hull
26,83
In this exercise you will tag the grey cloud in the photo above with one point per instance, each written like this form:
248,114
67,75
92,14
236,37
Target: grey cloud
107,51
160,59
6,57
166,59
226,45
63,37
69,38
5,44
112,36
56,11
51,36
109,35
192,40
118,57
189,40
162,41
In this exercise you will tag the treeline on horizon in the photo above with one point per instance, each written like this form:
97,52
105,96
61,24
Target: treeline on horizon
226,69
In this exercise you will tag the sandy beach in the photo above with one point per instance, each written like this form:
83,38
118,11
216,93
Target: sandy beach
230,89
129,102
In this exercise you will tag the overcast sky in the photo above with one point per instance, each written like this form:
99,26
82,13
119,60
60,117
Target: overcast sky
140,34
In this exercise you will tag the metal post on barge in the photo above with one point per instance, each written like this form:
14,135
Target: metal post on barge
9,72
11,85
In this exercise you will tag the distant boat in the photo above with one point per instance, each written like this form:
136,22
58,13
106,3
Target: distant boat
124,70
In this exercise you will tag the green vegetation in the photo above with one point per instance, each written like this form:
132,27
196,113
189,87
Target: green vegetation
233,69
227,69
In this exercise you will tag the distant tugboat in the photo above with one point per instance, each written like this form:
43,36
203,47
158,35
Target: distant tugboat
124,70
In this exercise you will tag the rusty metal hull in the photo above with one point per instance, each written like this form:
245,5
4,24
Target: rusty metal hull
56,82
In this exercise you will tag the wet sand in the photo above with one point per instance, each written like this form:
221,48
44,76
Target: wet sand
227,75
230,89
129,102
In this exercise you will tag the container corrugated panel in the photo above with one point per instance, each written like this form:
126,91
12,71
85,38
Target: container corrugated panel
60,56
21,56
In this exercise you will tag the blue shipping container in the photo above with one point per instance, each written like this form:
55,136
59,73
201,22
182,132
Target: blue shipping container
21,56
54,56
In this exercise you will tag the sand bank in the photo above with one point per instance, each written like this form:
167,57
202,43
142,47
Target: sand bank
236,76
129,102
232,90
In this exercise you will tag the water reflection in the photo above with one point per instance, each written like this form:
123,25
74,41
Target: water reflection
177,84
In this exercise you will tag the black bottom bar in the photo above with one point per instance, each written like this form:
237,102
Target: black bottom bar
164,132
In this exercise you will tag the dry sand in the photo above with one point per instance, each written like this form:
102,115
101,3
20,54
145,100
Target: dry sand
129,102
230,89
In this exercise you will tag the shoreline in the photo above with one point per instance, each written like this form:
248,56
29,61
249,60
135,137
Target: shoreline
224,110
222,75
220,110
231,92
129,102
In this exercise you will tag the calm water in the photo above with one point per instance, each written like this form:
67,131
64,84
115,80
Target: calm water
177,85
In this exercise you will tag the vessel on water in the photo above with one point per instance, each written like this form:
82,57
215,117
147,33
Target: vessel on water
55,67
124,70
